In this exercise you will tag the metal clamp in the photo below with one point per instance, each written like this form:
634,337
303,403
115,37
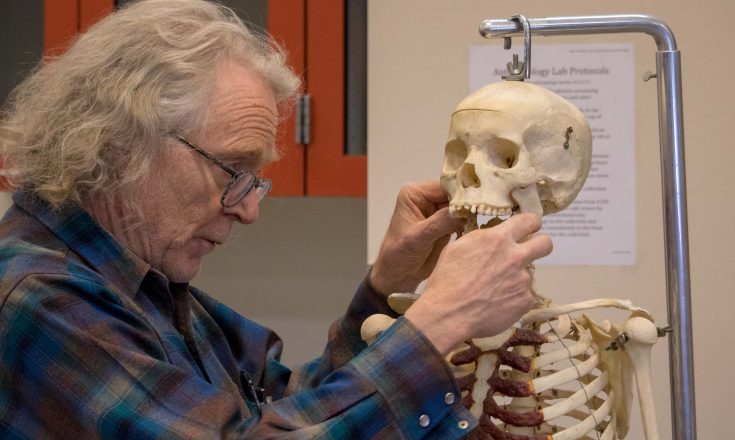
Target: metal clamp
663,331
518,71
618,343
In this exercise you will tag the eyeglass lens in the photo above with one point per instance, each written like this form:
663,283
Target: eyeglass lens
242,185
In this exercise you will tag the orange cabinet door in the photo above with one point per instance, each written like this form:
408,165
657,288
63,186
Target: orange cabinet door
322,168
62,19
330,171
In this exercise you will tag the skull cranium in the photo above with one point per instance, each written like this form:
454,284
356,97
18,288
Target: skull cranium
515,146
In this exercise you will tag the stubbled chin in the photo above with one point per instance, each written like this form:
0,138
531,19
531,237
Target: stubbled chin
185,271
184,265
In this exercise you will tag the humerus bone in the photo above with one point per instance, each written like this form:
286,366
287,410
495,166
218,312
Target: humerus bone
642,334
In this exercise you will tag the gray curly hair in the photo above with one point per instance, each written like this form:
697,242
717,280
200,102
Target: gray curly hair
92,121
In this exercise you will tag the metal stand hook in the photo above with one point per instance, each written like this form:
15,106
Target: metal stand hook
518,71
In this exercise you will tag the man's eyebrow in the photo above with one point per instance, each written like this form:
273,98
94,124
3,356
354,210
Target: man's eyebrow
250,158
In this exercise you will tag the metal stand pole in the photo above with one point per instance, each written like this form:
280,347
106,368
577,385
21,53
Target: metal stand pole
671,133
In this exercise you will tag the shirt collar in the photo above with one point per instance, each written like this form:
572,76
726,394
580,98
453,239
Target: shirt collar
87,238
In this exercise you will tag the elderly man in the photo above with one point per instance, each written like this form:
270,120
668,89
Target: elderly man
136,151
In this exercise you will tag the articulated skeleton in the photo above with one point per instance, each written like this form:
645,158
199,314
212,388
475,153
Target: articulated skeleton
557,374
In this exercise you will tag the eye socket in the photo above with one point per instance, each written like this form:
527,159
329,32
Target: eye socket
455,153
503,153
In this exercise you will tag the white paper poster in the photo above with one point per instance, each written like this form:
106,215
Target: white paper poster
599,227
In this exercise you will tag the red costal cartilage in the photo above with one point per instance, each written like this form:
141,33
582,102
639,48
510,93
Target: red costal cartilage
511,388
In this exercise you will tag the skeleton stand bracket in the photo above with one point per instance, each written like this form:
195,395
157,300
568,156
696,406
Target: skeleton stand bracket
671,134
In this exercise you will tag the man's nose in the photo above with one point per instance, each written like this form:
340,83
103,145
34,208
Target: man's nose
246,210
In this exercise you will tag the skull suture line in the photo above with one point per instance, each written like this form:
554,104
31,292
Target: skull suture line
516,147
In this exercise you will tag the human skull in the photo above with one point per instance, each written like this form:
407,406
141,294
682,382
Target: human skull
515,146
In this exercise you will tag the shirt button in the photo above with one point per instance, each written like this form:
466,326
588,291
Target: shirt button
424,421
463,424
449,398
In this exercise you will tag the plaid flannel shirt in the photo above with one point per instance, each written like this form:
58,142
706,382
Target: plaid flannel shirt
97,344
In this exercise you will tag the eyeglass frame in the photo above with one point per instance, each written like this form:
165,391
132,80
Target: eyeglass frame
235,174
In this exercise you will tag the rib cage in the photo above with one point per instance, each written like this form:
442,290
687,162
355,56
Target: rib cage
554,376
548,379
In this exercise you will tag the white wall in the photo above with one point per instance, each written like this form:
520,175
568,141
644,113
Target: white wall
418,72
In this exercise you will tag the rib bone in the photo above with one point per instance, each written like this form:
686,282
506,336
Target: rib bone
585,339
568,374
588,424
577,399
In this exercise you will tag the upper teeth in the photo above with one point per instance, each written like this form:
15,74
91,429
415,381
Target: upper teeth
481,208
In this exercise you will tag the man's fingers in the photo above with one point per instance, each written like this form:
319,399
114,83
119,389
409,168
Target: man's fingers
440,224
521,225
538,246
426,197
431,191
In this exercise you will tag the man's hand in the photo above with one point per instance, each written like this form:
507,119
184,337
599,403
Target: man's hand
419,229
481,285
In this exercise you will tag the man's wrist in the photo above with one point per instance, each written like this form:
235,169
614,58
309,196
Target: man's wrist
370,282
385,285
444,338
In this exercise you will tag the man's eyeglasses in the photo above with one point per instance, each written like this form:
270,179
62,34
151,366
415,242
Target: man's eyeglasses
241,183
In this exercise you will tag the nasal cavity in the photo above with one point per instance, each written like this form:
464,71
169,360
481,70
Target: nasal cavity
468,177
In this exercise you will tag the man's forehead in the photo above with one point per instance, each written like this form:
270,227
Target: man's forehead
235,83
243,117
